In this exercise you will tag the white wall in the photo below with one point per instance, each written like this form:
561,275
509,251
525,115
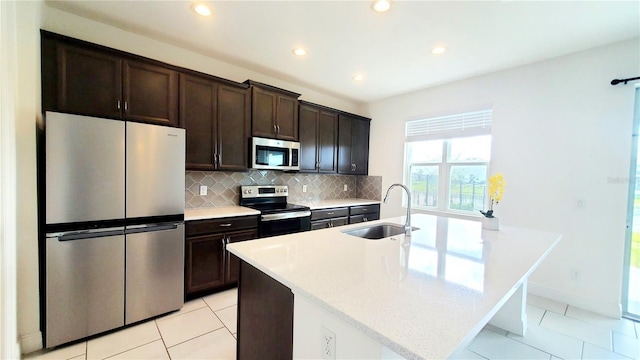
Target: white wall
560,133
32,16
27,113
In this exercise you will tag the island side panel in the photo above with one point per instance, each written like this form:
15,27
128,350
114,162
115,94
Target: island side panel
265,316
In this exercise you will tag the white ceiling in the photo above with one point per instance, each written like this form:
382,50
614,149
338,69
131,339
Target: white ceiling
392,49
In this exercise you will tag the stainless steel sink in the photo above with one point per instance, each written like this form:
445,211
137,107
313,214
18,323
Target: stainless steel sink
377,232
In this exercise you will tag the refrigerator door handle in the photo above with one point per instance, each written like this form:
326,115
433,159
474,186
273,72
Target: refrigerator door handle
149,228
86,234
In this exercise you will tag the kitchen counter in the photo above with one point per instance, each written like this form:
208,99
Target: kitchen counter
421,297
324,204
219,212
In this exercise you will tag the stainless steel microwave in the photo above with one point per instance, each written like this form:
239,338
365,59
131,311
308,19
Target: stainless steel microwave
272,154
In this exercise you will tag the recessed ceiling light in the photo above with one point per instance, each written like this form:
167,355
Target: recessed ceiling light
381,5
438,50
358,77
201,9
299,51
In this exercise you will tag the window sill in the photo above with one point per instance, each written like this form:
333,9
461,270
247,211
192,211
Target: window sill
453,214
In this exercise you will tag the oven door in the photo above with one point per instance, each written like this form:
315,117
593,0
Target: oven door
284,223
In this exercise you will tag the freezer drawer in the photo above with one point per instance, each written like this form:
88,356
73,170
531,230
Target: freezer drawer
84,286
155,170
84,168
155,271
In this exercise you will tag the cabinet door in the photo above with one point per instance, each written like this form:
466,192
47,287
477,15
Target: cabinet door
339,221
360,146
345,165
233,118
321,224
308,138
327,142
204,262
232,262
265,321
263,107
287,118
197,117
150,93
89,82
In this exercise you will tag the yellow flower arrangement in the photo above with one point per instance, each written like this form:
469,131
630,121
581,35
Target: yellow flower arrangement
496,190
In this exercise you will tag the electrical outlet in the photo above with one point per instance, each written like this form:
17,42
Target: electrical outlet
328,344
346,188
203,189
304,188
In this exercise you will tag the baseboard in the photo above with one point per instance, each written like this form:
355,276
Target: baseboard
31,342
613,310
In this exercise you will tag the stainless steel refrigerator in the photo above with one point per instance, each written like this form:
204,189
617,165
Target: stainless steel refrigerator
114,243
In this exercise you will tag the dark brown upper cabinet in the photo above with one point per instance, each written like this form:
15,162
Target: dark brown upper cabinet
88,79
353,144
150,93
318,138
89,82
216,117
274,112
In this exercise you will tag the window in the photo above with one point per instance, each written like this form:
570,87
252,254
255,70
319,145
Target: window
447,160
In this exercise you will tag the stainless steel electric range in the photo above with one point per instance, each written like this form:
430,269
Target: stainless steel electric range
277,216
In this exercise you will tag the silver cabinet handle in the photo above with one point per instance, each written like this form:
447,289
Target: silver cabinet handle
118,104
275,131
278,126
125,106
225,225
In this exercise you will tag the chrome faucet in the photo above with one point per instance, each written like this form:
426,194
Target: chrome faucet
407,224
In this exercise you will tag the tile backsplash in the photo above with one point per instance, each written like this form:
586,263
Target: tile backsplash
223,188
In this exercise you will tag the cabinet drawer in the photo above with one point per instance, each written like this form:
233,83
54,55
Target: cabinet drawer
325,224
364,209
209,226
364,217
329,213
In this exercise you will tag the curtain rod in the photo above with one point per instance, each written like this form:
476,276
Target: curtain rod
618,81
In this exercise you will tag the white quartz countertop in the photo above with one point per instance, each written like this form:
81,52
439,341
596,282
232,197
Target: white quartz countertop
324,204
218,212
422,296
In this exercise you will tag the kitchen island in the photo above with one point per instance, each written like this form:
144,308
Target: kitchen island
418,297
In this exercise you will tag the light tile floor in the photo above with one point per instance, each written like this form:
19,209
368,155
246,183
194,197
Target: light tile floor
205,328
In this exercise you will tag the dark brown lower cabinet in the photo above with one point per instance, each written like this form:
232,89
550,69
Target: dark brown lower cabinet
208,265
328,218
265,316
363,213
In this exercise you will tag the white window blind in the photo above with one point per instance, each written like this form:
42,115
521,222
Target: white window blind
451,126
